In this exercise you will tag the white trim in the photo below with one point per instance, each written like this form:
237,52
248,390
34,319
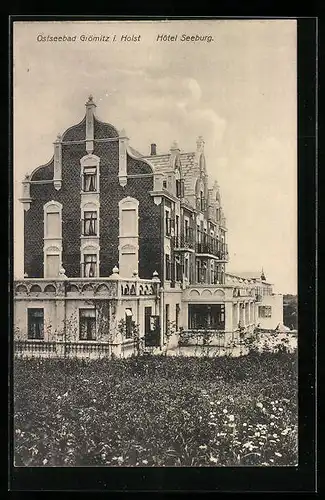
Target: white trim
52,245
87,248
89,160
130,240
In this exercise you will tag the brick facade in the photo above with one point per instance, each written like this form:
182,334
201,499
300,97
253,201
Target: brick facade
110,194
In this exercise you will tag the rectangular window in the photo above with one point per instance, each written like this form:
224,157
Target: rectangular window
180,188
178,269
87,324
147,318
52,266
128,323
265,311
90,265
151,328
186,229
90,179
166,318
36,324
177,226
90,224
165,184
206,317
53,225
186,268
168,227
129,223
177,317
168,268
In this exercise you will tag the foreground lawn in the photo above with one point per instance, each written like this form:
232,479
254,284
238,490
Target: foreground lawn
157,411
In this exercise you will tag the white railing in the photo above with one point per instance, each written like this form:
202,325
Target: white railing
40,348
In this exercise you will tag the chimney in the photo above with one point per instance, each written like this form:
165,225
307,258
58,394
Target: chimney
153,149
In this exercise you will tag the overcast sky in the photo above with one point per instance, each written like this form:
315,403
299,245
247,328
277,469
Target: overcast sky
238,92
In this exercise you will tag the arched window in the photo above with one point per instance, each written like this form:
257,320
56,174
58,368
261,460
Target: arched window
90,220
52,220
52,239
89,261
128,236
90,174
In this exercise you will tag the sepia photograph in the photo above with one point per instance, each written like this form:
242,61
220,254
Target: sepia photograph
155,243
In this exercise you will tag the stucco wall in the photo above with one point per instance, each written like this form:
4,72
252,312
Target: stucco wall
276,303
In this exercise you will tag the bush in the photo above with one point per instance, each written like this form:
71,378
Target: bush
157,411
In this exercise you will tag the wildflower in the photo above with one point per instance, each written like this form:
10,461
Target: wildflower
272,423
213,459
45,461
65,394
275,435
271,460
285,432
211,403
272,441
257,434
231,418
225,411
259,405
244,424
272,416
145,462
280,409
203,447
218,402
260,443
212,423
277,454
248,444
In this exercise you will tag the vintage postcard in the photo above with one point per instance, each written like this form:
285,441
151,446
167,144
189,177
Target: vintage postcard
155,243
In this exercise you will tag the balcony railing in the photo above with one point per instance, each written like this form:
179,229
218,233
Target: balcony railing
79,287
42,349
207,244
185,241
213,338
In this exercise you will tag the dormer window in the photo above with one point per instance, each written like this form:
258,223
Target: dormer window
90,179
202,201
179,188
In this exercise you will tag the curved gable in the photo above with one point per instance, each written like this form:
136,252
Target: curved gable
43,172
104,130
76,132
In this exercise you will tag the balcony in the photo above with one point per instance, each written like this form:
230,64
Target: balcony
185,241
208,245
111,287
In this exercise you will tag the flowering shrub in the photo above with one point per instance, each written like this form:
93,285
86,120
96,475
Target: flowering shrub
156,411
